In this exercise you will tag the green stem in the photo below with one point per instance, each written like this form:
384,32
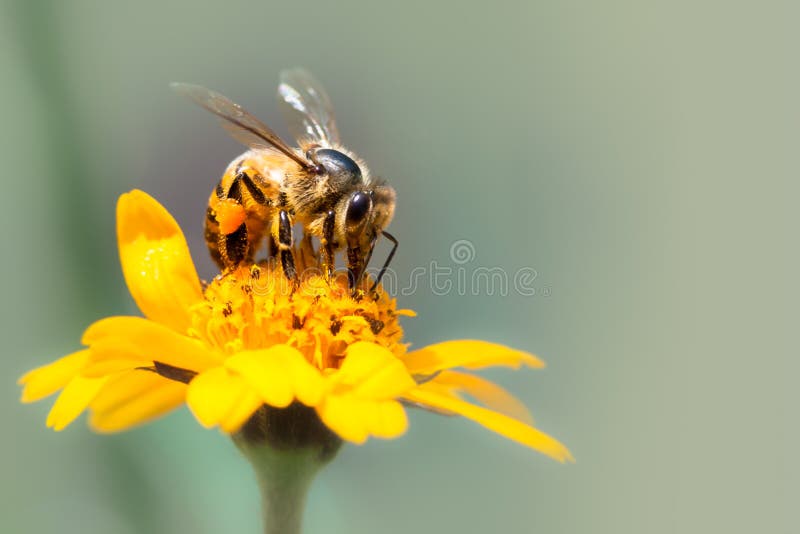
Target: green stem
284,478
287,448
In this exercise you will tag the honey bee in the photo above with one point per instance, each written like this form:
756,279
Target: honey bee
319,184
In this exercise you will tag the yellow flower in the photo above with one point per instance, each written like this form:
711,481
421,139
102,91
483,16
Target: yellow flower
247,339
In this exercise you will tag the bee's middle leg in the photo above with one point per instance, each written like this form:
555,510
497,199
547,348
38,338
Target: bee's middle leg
282,233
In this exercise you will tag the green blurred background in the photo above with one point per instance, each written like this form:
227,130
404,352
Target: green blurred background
642,157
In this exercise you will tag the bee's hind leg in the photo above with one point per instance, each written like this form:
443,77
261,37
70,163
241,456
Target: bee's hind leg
211,234
227,250
227,225
236,246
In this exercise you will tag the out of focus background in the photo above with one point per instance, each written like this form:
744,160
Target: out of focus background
638,160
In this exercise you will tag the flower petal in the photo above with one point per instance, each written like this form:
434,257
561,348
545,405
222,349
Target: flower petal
503,425
156,261
134,398
279,374
216,393
470,354
360,400
241,412
371,371
46,380
105,367
125,337
486,392
355,419
73,400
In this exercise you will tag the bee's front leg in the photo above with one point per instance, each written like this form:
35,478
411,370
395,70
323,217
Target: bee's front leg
356,264
326,245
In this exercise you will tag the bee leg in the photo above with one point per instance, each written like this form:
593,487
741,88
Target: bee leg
226,225
227,250
211,234
355,266
282,229
255,193
326,245
272,246
259,197
235,246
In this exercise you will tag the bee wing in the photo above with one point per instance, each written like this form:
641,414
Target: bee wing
306,107
241,124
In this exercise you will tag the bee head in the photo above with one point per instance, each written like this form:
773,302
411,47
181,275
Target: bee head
365,213
361,217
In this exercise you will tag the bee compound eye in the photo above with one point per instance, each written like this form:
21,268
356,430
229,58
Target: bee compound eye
360,205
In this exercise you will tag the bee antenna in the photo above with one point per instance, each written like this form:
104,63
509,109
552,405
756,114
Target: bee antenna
386,263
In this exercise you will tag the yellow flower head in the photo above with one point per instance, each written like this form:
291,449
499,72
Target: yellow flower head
250,341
